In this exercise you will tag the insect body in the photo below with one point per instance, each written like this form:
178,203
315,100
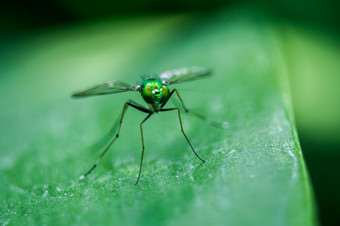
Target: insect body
155,93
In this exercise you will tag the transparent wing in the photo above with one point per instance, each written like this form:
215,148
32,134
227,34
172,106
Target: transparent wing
183,74
105,88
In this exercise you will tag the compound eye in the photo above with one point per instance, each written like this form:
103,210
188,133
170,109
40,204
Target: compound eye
165,94
165,91
147,91
147,95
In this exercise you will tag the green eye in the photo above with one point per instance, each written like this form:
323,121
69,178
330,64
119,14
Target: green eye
165,94
165,91
147,91
147,94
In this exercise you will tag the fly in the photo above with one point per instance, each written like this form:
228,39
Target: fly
156,93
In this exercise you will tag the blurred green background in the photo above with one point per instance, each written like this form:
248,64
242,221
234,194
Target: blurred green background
308,31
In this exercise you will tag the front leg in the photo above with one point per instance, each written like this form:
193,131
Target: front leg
180,122
126,105
141,160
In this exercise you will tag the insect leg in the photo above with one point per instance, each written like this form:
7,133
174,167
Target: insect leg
211,122
141,160
126,105
180,122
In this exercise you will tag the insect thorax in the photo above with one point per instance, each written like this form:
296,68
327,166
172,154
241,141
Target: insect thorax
154,93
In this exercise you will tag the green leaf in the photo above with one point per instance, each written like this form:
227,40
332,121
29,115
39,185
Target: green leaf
254,172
